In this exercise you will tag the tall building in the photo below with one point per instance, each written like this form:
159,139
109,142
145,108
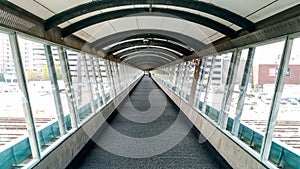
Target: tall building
6,62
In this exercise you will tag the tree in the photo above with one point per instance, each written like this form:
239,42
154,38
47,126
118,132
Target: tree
2,79
32,75
45,74
58,71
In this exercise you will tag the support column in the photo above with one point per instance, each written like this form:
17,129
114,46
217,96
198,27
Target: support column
101,83
33,136
66,75
194,83
96,82
208,84
230,82
267,141
243,90
55,90
89,83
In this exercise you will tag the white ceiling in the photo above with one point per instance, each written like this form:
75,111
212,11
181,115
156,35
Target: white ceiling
254,10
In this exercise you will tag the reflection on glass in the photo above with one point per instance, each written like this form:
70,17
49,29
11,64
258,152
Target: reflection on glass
105,81
80,84
187,84
237,83
202,87
218,81
61,86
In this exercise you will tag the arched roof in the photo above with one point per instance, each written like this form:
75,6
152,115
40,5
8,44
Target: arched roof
151,32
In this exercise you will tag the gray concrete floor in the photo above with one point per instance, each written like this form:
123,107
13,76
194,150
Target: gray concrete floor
188,153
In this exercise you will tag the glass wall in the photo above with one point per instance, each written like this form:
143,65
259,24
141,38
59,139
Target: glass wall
12,117
239,93
188,80
40,90
218,82
287,126
49,91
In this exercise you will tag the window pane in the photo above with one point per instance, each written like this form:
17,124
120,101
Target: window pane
187,85
40,92
105,79
92,80
14,140
80,84
61,85
260,93
218,81
287,129
237,83
202,83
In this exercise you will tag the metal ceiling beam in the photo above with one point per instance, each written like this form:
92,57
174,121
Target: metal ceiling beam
191,4
155,64
139,36
153,57
149,48
120,36
164,44
145,52
144,12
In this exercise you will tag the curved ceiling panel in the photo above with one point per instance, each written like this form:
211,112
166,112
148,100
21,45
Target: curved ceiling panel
163,59
155,12
135,48
196,5
159,52
180,48
140,37
120,36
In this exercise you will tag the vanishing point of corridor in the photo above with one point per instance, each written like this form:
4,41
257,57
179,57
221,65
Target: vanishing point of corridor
188,153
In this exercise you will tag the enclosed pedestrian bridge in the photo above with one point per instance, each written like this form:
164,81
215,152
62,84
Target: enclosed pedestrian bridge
150,84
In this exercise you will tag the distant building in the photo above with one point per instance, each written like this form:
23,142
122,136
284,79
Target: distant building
267,74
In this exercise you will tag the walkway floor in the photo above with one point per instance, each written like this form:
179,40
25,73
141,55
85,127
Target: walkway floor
110,151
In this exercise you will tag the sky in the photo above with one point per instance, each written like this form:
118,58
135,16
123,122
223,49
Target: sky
271,53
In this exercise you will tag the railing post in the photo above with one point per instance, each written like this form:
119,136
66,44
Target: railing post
33,136
208,84
89,83
243,90
66,75
230,82
55,90
281,76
